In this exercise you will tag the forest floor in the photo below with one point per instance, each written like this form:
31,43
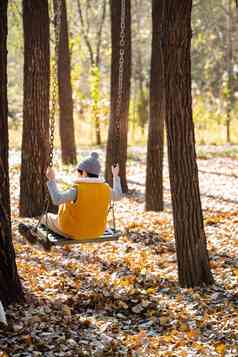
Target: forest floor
122,298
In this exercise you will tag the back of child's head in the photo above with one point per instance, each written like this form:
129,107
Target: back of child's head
91,165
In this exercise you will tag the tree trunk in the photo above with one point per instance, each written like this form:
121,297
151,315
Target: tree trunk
10,286
230,79
35,140
95,96
155,145
142,107
228,126
192,256
118,127
98,131
66,122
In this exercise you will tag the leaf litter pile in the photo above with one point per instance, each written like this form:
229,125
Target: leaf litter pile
122,298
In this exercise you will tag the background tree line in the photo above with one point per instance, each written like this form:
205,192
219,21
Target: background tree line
214,68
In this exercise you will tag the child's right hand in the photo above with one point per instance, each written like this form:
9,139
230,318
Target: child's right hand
50,174
115,170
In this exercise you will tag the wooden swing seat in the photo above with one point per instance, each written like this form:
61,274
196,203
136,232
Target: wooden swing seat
44,235
43,232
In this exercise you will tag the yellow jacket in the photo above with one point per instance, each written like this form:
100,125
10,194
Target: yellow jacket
86,217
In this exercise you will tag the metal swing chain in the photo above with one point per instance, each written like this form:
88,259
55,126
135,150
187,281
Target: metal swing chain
57,22
121,70
120,86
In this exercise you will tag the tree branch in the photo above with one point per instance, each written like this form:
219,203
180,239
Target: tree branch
85,33
99,38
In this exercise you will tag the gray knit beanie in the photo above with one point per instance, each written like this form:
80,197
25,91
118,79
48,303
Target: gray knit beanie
91,165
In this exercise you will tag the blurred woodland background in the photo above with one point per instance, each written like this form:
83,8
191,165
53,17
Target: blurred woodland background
214,70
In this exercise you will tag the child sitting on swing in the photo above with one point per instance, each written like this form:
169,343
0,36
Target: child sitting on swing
83,208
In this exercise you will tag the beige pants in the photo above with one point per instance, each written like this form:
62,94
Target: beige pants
52,222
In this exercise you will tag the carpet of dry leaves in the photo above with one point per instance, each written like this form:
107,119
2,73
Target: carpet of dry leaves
122,298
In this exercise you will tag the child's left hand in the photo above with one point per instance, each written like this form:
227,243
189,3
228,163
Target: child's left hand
50,174
115,170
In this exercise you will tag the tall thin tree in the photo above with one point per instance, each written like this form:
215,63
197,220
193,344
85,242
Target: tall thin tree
155,145
35,140
93,40
229,60
120,88
10,286
175,36
66,122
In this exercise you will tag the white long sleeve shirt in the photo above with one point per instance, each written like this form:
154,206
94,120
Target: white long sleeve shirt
58,197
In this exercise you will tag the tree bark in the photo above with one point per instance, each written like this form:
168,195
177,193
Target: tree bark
118,127
155,145
98,131
230,79
95,95
66,122
35,140
192,255
10,286
142,107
